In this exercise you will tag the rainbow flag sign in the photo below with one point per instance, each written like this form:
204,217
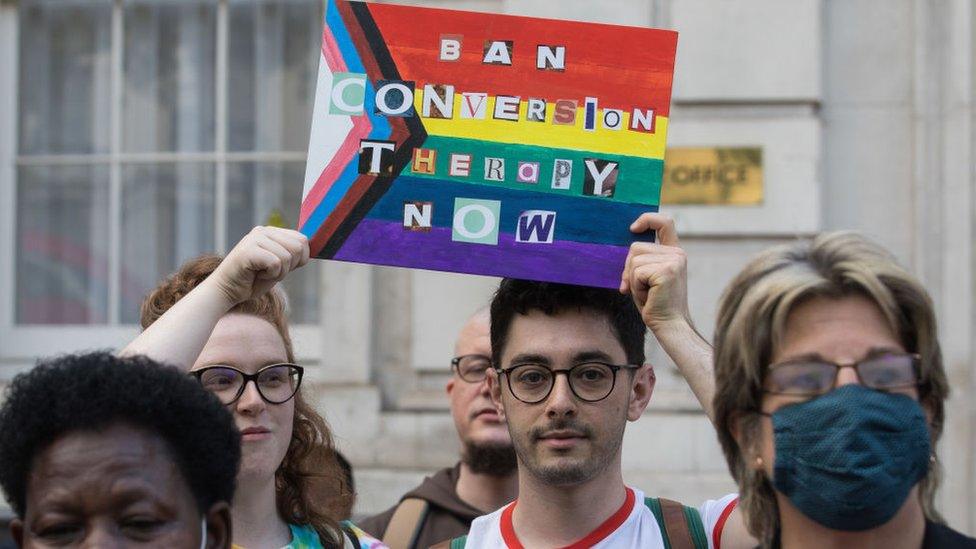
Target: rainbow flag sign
486,144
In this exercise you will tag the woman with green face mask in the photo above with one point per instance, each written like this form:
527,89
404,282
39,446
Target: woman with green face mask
830,397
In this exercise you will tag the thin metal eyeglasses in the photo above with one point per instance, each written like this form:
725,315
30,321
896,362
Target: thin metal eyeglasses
276,383
812,377
471,368
589,381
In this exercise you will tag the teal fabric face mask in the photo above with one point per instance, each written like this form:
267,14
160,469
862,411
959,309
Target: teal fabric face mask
849,458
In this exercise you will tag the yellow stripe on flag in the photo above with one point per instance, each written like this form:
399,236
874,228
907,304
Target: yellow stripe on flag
546,134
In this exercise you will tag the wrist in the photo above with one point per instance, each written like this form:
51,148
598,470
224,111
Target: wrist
215,295
677,327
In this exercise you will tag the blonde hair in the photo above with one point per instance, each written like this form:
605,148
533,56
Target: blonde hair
310,483
751,322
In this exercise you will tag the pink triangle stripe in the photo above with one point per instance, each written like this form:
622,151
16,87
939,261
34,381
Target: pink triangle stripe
350,145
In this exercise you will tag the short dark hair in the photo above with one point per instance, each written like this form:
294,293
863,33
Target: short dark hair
90,392
516,296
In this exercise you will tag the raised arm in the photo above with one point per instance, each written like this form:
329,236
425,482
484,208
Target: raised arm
655,274
259,261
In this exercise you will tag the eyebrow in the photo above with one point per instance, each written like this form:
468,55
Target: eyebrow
872,353
262,364
578,358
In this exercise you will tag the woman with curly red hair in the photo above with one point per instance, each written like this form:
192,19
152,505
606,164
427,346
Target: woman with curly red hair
224,320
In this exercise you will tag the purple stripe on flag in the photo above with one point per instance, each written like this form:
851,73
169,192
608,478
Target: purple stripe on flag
592,264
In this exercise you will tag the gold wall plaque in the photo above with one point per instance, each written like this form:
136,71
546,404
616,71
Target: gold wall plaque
713,175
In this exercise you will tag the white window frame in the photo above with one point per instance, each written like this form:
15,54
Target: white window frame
20,345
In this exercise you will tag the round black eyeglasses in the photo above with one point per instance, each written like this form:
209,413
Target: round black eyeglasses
471,368
589,381
276,383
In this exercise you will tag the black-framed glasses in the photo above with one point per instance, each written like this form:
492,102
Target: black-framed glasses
589,381
471,368
276,383
808,377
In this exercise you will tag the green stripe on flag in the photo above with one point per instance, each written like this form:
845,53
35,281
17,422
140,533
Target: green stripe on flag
638,179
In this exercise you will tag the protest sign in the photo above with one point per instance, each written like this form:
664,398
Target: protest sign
482,143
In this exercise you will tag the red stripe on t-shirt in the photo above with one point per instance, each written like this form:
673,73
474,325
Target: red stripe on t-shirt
720,525
508,528
596,536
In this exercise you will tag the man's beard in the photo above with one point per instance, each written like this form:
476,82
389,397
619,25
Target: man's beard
492,459
581,470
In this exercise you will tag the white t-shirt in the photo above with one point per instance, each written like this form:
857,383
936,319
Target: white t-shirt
633,526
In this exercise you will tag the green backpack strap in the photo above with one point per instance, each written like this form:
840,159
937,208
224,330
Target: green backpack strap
681,526
456,543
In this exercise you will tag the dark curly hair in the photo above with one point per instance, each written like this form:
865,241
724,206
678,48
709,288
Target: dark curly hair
94,391
309,484
521,296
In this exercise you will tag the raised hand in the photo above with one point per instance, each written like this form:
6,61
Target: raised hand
260,260
655,274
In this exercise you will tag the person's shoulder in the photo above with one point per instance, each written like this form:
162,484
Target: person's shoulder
485,531
941,536
376,524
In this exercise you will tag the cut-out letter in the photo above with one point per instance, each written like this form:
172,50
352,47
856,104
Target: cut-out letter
438,101
394,98
589,114
424,161
613,119
535,110
565,112
348,93
642,120
536,227
498,52
450,47
460,165
476,221
562,173
418,216
376,157
550,57
600,178
527,172
473,105
494,169
506,108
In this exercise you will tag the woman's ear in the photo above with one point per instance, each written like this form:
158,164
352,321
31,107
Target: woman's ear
749,450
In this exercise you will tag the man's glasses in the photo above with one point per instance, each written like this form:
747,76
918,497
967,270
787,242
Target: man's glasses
471,368
589,381
276,383
806,377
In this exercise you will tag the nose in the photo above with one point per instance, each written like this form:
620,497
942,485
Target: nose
101,536
847,375
250,402
483,389
561,402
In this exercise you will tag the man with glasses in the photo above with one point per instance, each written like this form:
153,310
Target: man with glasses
568,374
444,505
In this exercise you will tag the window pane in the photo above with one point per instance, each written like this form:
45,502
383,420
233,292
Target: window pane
271,193
62,245
170,50
65,76
167,218
272,66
